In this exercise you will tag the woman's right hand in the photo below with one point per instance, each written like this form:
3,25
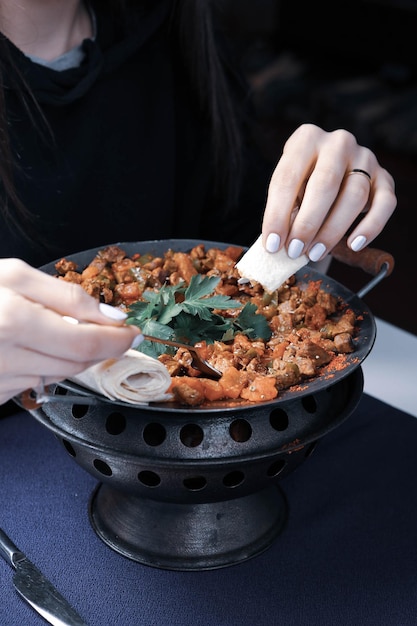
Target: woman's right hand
314,200
37,344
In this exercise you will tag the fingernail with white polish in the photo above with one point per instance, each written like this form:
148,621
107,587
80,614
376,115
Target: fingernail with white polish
272,242
137,341
69,319
112,312
358,243
317,252
295,248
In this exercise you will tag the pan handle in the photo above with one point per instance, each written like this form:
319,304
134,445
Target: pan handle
373,261
370,260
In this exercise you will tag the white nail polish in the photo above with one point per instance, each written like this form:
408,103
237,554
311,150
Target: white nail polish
112,312
272,242
295,248
137,341
69,319
358,243
317,252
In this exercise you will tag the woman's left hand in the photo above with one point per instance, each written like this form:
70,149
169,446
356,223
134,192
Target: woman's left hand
321,184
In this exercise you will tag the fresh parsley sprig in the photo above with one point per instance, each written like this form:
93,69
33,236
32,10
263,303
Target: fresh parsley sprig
190,314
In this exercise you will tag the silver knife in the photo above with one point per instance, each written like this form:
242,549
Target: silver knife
32,585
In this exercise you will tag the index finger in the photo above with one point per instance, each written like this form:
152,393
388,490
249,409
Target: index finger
288,182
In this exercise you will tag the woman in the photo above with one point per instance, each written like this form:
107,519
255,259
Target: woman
125,121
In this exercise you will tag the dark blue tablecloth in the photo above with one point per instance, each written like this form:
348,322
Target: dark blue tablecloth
348,555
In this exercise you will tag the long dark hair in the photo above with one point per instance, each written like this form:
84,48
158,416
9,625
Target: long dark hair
12,208
217,88
193,33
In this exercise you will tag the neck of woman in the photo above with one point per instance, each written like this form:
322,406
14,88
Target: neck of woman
45,28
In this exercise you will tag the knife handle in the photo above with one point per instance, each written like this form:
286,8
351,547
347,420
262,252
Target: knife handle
8,550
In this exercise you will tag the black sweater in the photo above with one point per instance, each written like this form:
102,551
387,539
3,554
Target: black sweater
128,158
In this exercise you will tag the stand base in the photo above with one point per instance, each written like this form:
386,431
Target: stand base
187,536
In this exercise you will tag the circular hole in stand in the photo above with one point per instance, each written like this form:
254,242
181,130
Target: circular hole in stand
195,483
276,468
79,410
309,404
115,423
240,430
68,447
233,479
102,467
278,419
154,434
191,435
149,479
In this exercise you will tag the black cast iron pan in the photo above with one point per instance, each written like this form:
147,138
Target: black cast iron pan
373,261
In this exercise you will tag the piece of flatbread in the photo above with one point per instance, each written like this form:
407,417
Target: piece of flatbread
271,270
135,378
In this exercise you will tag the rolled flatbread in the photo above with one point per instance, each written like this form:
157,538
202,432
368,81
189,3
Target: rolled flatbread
271,270
135,378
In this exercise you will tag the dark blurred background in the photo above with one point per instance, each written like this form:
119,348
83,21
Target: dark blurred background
346,65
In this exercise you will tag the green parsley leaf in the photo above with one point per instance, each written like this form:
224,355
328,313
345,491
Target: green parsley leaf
187,314
252,323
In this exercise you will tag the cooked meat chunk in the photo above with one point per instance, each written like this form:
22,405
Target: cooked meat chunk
343,343
184,393
63,267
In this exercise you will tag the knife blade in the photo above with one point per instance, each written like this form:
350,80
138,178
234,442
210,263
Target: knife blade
33,587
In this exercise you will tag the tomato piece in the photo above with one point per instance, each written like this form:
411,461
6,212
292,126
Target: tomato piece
260,389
